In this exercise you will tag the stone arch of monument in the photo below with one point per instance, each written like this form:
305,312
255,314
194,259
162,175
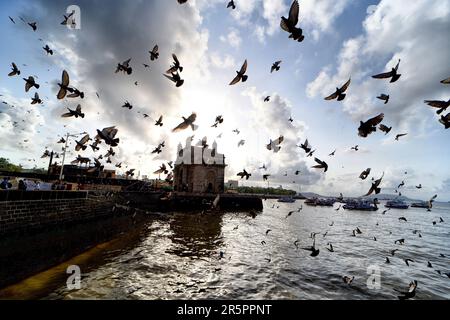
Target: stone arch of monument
211,181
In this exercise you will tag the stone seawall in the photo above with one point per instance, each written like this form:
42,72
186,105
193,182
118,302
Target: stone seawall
31,211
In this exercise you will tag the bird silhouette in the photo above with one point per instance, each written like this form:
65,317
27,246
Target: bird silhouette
375,186
15,70
241,76
445,120
124,67
30,83
339,93
175,77
385,129
162,169
75,93
305,146
108,135
231,5
176,65
314,251
370,125
275,66
410,293
384,97
158,149
245,174
393,74
64,85
321,165
439,104
66,20
127,105
48,50
80,145
289,24
348,279
154,54
187,122
274,145
130,173
33,25
219,120
407,261
365,174
36,99
159,122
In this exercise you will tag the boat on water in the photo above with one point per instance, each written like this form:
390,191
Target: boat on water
320,202
361,205
422,204
287,199
397,204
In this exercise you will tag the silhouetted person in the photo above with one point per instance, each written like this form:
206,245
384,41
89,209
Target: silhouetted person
5,184
22,186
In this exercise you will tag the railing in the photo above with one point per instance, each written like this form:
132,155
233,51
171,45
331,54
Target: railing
19,195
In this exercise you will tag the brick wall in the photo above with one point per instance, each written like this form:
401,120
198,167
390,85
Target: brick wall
23,216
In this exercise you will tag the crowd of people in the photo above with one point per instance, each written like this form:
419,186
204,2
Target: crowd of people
26,185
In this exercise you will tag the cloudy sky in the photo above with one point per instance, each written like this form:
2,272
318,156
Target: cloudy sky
343,39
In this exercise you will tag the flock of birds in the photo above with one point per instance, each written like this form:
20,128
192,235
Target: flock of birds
108,135
288,24
365,128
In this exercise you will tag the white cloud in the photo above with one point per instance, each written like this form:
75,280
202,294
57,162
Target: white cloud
319,15
225,61
391,33
179,32
273,10
260,32
270,120
21,124
233,38
316,16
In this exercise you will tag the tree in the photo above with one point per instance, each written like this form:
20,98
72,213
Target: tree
38,170
271,191
5,165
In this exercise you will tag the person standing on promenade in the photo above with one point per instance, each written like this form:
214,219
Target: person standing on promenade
5,184
22,185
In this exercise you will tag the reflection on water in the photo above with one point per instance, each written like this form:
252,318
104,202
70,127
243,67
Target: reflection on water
179,258
194,235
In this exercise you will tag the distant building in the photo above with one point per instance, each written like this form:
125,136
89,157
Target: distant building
199,169
81,171
232,184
